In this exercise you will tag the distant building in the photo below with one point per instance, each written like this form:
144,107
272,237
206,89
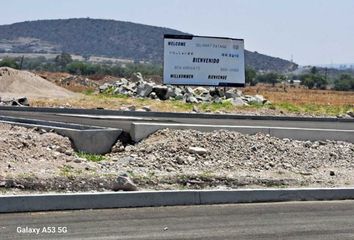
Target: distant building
294,82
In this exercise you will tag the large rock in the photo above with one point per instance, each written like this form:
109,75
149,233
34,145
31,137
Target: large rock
189,98
205,97
260,99
144,89
160,91
200,91
188,90
137,77
121,82
128,88
230,94
146,108
216,99
197,150
119,90
153,95
22,101
124,183
170,93
350,113
124,89
104,87
235,101
177,93
233,93
217,92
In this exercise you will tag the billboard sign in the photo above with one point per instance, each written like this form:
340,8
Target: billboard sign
205,61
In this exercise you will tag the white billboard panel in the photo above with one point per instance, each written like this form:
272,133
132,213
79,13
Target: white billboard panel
207,61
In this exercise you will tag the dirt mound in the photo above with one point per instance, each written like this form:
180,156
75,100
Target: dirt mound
15,83
196,159
33,151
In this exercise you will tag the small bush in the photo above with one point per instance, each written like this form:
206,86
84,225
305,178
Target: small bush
91,157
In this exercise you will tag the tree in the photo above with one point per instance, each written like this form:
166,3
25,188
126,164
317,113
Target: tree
308,82
9,62
314,70
63,60
76,67
82,68
250,76
344,83
314,79
320,81
271,77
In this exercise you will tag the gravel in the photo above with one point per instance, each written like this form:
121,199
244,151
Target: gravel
173,159
40,160
224,155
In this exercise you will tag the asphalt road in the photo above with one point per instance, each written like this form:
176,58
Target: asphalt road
113,121
291,220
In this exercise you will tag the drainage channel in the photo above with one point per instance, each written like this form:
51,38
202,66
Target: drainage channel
85,138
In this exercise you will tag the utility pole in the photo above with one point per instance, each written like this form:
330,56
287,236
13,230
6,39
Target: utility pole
326,73
21,62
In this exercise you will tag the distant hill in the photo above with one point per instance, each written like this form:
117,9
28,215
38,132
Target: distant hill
107,38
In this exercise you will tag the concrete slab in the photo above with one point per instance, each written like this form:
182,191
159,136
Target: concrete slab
170,114
109,117
89,139
76,201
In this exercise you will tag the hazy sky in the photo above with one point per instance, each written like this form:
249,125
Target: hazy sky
312,31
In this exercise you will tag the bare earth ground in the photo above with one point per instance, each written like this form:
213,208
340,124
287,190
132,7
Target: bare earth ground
118,103
37,161
286,99
56,89
101,101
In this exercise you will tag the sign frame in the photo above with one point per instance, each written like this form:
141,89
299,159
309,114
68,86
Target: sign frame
190,37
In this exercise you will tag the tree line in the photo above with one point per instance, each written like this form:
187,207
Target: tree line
312,80
64,63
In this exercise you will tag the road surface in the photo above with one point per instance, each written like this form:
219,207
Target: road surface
291,220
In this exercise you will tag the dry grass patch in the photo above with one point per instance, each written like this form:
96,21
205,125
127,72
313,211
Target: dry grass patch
300,95
286,100
113,102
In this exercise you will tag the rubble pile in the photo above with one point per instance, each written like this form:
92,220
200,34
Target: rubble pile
22,101
38,160
224,158
138,87
76,80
